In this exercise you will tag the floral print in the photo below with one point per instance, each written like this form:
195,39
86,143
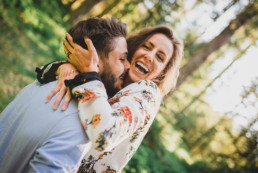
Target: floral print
117,126
87,95
101,140
117,97
109,170
96,120
127,114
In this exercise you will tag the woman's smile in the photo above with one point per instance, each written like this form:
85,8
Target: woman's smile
142,68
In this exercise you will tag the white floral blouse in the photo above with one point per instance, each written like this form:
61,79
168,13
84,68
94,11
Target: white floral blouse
116,127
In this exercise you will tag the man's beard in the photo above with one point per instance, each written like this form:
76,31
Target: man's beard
109,80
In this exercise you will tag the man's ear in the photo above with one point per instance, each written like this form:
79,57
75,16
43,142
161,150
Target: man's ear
100,65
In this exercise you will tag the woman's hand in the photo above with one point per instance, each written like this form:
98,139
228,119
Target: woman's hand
84,60
64,72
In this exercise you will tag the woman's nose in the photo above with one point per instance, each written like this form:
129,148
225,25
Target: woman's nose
149,56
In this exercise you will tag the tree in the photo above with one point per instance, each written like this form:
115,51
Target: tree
85,7
202,54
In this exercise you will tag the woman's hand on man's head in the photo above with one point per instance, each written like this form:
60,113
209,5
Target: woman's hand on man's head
84,60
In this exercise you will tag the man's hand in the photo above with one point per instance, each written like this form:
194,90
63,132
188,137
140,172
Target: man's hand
64,72
84,60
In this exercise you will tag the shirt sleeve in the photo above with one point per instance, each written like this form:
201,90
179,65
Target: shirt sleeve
108,122
46,73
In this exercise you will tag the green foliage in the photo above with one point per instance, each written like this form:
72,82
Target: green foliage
146,160
153,157
31,35
41,21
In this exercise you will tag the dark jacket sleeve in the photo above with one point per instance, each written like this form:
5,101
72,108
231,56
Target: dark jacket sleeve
47,73
81,79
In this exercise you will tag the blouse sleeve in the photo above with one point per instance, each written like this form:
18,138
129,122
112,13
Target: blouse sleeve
47,73
109,122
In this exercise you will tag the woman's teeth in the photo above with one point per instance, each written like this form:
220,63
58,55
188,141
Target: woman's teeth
142,67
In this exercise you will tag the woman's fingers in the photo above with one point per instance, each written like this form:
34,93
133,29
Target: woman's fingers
65,49
59,97
72,59
53,92
91,48
68,95
93,52
67,46
90,45
70,40
67,99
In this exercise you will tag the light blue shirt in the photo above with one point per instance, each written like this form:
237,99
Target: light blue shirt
35,138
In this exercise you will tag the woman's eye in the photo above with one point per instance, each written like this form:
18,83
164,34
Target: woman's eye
146,47
160,57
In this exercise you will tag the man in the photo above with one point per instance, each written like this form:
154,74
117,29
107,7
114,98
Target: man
34,137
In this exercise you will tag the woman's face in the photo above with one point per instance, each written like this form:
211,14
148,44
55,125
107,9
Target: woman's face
151,58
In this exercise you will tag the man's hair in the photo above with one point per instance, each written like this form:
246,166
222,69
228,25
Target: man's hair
166,81
101,31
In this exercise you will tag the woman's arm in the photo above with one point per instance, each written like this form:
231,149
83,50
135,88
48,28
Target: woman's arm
57,70
108,123
84,60
65,72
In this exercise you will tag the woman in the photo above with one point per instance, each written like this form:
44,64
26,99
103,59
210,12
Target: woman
117,127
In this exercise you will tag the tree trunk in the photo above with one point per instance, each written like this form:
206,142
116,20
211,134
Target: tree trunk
84,8
109,8
217,15
195,98
202,54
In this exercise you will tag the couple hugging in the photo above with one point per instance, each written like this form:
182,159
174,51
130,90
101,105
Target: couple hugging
115,87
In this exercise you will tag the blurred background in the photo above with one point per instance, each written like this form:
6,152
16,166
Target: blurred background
209,124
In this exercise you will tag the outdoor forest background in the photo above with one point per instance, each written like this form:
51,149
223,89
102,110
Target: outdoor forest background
209,124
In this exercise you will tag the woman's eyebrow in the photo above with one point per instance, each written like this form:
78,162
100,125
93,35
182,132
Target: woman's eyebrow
162,53
150,43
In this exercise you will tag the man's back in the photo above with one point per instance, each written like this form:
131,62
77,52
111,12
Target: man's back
34,137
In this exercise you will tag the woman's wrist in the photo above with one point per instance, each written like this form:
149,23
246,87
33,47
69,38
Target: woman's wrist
65,69
82,78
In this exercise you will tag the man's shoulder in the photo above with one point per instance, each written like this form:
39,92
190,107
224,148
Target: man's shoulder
37,94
